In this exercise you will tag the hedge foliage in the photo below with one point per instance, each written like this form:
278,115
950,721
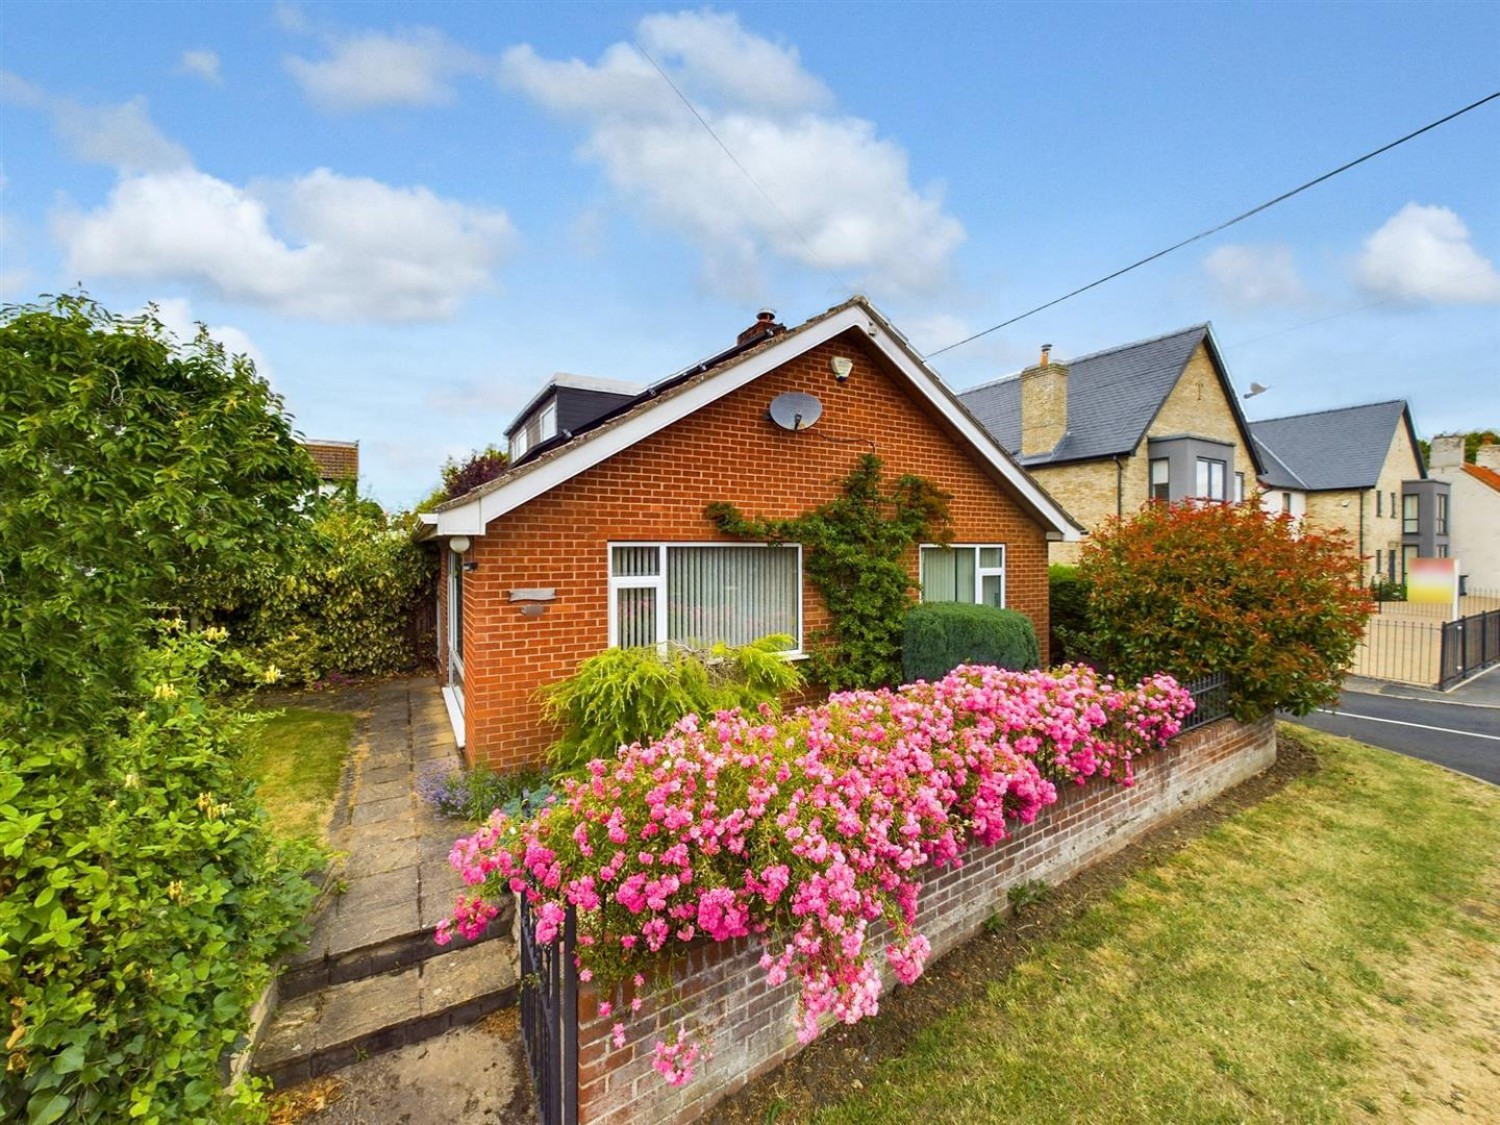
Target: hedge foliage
1072,627
942,635
142,903
1202,588
344,604
628,695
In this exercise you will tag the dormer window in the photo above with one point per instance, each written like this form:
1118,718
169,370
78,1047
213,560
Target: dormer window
520,442
547,425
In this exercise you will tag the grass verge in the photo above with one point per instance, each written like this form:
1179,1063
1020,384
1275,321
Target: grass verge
296,759
1332,954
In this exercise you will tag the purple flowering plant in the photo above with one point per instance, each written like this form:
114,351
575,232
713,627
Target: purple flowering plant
804,832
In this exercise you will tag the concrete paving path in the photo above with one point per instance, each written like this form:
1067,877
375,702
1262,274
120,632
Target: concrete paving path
371,979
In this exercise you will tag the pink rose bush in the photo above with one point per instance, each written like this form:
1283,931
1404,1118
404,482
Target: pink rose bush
808,832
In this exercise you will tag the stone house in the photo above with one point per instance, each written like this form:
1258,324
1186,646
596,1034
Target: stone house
1474,490
1358,469
1106,433
597,535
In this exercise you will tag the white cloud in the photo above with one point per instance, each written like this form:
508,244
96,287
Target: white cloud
121,136
1425,254
357,249
845,195
176,313
204,64
289,17
1250,276
411,68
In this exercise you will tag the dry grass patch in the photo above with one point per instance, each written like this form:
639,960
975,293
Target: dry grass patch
297,756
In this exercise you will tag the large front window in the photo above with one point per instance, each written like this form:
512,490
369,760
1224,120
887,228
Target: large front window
964,573
1161,478
1410,506
701,594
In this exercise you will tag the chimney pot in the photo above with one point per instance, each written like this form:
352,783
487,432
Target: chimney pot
1046,355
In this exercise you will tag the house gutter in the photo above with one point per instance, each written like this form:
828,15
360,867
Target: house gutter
1119,487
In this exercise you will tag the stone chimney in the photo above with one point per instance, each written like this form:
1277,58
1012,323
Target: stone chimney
1488,456
765,326
1044,404
1447,452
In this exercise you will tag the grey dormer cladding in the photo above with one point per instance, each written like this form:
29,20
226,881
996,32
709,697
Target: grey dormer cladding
1330,449
1112,397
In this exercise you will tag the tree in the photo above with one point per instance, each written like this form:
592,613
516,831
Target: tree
136,474
1195,589
460,477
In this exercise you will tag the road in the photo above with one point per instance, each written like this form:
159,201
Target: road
1462,736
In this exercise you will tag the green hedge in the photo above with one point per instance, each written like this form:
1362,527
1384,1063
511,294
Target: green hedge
143,902
1072,625
942,635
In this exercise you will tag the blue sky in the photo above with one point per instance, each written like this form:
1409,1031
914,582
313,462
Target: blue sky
410,215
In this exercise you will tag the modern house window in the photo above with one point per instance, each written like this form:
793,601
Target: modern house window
1377,554
1379,498
1442,551
1393,504
1408,556
547,423
1286,502
1409,523
519,444
964,573
1442,515
1210,479
1161,478
698,594
1239,488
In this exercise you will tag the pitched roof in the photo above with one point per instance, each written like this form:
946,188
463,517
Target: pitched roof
679,395
335,460
1484,474
1332,449
1113,396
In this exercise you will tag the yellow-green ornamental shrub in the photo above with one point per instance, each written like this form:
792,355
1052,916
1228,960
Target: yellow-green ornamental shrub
1202,588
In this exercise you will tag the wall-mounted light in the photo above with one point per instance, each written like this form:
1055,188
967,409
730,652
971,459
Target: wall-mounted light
459,544
470,567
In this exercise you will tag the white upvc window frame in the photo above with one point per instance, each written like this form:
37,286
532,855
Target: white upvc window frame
980,572
546,423
658,583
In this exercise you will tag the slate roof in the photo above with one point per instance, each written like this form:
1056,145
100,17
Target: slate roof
1331,449
1113,396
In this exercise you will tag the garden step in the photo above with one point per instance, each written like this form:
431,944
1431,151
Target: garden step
343,1023
340,954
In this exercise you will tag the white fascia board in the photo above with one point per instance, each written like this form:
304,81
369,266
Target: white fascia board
473,517
927,383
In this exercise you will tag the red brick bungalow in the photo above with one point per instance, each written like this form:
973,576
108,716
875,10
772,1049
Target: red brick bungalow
597,535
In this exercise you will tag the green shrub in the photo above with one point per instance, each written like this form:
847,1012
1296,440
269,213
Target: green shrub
942,635
472,794
142,904
344,604
1071,628
627,695
1198,589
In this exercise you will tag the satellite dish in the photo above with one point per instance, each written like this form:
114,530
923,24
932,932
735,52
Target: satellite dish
795,410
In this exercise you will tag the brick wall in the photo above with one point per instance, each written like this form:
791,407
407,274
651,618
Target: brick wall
752,1026
657,490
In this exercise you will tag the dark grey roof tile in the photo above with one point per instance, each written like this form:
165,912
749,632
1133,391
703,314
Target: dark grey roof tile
1332,449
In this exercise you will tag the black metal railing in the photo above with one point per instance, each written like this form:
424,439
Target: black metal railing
549,1018
1210,699
1470,645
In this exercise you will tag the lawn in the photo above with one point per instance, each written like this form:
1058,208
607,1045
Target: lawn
297,757
1332,954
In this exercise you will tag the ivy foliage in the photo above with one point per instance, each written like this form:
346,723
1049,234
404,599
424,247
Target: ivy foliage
142,904
133,472
1195,589
857,551
628,695
343,603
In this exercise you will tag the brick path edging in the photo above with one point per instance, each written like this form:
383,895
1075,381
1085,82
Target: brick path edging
752,1026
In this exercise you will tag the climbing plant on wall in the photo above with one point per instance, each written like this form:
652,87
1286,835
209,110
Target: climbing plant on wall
856,550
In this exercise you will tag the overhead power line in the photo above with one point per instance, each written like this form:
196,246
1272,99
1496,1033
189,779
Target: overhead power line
1222,226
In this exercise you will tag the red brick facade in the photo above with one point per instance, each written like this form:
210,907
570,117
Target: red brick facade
751,1025
656,490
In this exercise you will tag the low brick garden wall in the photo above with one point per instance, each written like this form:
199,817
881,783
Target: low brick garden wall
752,1027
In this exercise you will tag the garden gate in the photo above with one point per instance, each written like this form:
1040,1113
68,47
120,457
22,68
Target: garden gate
549,1018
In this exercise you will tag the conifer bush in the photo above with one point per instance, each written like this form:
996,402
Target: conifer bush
942,635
